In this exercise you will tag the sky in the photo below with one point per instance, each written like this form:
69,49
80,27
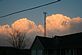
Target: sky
71,8
63,18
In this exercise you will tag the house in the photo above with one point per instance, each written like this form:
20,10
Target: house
59,45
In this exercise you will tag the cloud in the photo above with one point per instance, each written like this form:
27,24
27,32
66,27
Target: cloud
56,24
23,25
76,24
4,29
59,24
29,27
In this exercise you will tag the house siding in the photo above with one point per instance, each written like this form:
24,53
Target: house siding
37,48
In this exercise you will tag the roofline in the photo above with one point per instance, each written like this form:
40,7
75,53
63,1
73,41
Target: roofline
34,41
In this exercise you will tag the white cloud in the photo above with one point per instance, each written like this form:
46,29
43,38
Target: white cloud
57,24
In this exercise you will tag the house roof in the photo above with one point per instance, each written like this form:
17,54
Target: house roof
67,41
49,43
75,35
73,40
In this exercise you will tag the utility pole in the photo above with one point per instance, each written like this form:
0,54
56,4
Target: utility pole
45,23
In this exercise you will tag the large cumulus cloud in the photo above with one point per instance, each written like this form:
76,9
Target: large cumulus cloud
56,24
59,24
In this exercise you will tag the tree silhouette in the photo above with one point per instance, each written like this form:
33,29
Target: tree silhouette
17,39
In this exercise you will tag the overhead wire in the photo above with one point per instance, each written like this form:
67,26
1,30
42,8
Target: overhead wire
29,9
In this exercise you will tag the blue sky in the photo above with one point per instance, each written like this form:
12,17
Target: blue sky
71,8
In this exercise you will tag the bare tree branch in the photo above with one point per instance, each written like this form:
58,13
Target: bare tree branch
17,39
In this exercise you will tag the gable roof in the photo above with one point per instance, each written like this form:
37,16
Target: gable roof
48,43
67,41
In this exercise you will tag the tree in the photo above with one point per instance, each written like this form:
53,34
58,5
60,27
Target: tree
17,39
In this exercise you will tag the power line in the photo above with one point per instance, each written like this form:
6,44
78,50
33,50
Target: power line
29,9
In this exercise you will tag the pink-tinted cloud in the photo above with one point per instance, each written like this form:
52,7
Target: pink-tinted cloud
56,24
